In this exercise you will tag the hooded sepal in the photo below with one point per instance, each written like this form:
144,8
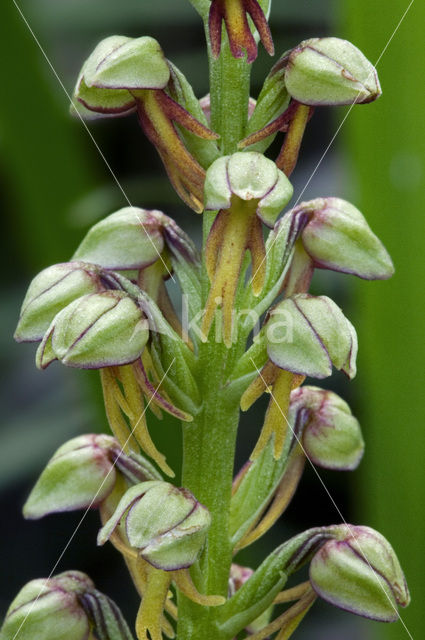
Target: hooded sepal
117,66
82,474
96,330
52,290
358,570
167,526
330,71
235,16
336,236
324,425
64,607
307,335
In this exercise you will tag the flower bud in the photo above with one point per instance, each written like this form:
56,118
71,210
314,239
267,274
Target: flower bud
251,177
133,238
330,71
307,335
65,607
116,66
358,571
49,609
97,330
166,524
82,473
338,237
330,434
52,290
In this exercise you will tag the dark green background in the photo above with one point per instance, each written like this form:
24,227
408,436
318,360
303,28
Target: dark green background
54,184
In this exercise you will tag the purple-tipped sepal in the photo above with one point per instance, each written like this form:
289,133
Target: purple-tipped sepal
324,425
96,330
83,473
358,570
307,335
166,525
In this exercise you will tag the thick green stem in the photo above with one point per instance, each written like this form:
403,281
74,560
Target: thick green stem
209,441
209,448
229,94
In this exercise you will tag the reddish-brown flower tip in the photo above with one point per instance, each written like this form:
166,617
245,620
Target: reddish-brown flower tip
234,13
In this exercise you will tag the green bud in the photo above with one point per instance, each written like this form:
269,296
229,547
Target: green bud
338,237
116,66
307,335
65,607
97,330
251,177
166,524
358,571
330,434
82,473
52,290
133,238
49,609
330,71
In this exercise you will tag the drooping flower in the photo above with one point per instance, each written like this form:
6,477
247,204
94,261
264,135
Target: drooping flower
123,75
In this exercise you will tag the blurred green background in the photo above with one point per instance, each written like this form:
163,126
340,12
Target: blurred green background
54,184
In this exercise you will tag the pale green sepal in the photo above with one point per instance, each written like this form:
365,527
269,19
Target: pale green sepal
167,525
99,330
338,237
330,434
359,571
77,477
136,63
330,71
130,238
180,547
49,292
45,354
130,496
43,609
307,335
217,191
249,176
162,508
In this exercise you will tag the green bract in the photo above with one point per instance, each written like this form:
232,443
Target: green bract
251,177
307,335
359,571
52,290
167,525
97,330
330,434
330,71
117,65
